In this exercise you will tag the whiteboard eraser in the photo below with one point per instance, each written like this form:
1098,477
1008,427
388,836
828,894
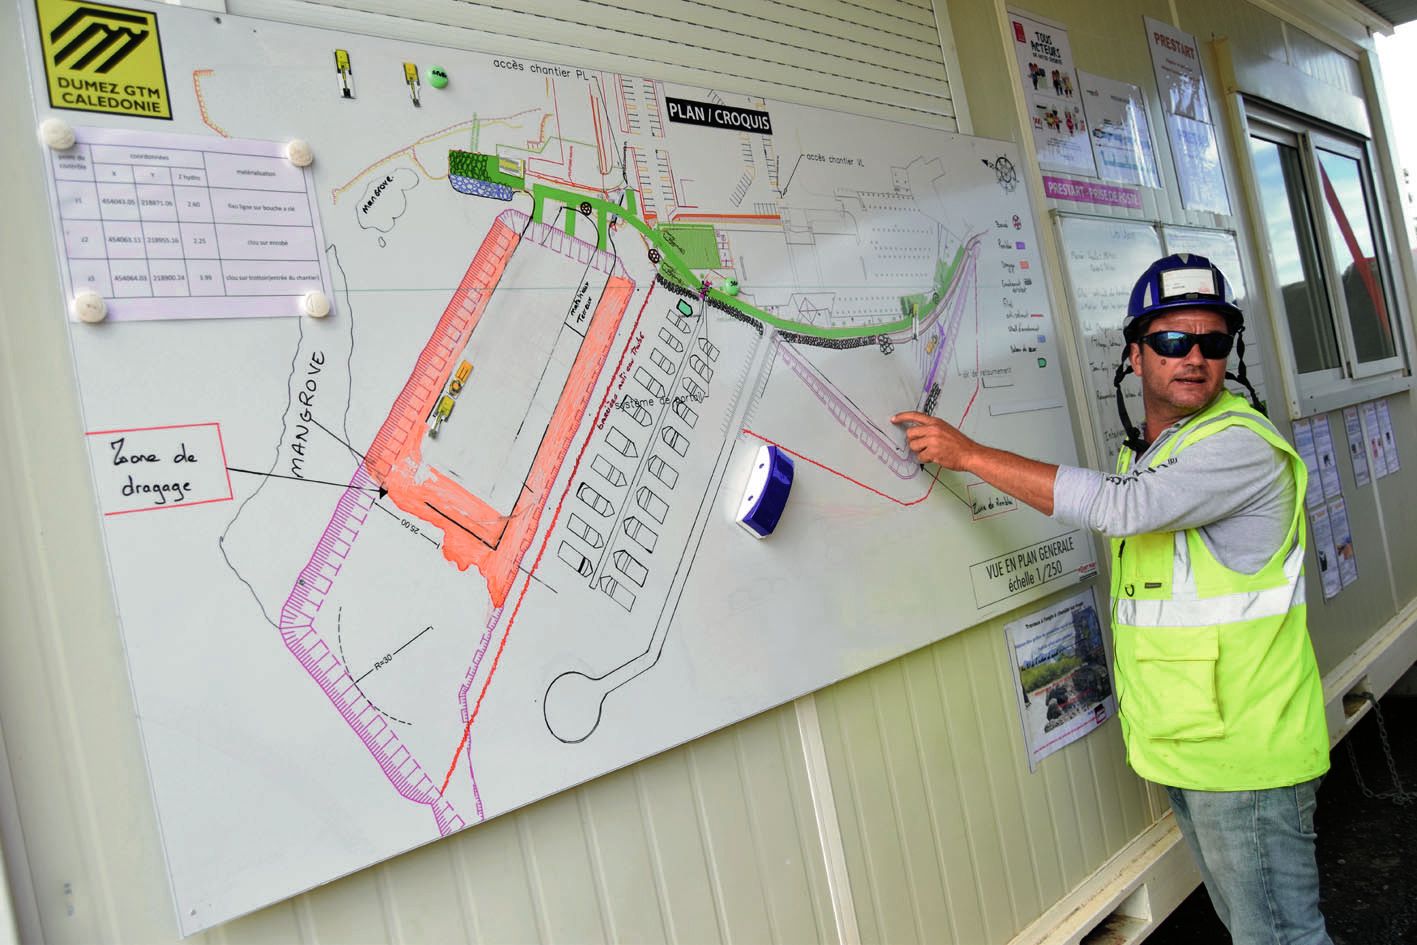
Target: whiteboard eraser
315,304
56,133
297,152
89,306
765,496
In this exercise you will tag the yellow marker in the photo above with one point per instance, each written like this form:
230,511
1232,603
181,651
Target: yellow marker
460,378
410,76
346,73
441,413
101,58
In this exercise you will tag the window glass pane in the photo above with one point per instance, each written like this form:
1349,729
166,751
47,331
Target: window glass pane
1351,233
1296,260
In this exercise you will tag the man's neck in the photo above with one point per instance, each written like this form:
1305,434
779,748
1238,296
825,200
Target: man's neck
1167,419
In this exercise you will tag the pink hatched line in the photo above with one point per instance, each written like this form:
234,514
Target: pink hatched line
330,674
463,691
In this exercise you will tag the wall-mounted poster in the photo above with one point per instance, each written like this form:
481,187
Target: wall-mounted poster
1120,133
1063,687
1051,88
1175,57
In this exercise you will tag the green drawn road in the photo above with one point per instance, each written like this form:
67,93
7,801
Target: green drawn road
676,268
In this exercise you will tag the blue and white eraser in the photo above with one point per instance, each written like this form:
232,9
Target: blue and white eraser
765,495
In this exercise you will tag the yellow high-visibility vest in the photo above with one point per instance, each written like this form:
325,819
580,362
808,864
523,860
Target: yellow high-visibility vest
1217,685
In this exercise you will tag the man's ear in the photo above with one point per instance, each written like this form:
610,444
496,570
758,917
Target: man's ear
1134,355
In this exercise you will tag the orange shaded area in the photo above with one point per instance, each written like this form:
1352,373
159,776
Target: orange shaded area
474,533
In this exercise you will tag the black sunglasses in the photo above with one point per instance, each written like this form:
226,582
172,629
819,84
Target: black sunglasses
1177,344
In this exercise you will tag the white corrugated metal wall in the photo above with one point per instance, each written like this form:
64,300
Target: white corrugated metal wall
901,794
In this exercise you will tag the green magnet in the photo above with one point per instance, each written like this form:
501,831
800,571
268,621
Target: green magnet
437,77
731,287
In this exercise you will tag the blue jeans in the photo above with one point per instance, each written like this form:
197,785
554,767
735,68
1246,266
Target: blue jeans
1255,850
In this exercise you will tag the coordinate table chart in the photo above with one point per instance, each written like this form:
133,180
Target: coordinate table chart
181,226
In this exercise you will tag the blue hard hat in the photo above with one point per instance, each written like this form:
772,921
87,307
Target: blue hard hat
1180,281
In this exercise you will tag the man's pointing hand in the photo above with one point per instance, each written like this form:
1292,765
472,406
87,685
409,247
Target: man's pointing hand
935,441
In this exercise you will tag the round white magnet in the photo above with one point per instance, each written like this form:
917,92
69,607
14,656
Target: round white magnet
89,306
315,304
297,152
56,133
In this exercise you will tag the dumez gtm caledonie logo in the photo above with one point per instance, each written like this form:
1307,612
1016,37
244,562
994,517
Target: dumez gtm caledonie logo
100,58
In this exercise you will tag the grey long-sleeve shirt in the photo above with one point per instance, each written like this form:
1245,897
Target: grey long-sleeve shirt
1233,486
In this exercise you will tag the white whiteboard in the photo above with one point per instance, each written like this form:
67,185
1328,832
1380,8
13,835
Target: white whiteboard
312,659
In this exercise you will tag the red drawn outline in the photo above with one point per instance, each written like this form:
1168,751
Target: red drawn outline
502,644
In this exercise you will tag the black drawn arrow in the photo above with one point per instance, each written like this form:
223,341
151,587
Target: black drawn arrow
343,485
362,457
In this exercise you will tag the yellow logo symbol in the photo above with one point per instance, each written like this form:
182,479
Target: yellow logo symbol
101,58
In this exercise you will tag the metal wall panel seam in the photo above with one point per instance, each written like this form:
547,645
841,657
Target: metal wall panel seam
597,861
893,775
710,854
755,831
809,844
814,755
972,842
1006,781
656,862
995,815
917,738
460,883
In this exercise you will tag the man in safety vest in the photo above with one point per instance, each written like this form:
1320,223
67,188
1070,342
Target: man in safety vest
1218,691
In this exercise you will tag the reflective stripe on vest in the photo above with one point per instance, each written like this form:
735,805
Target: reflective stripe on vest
1188,610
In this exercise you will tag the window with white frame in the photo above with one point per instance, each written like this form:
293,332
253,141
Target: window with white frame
1329,258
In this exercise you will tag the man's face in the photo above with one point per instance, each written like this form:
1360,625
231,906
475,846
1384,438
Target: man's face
1174,388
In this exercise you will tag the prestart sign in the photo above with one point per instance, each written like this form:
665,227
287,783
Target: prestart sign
101,58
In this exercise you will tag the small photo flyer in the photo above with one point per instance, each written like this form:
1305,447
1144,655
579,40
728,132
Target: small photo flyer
1328,461
1343,542
1321,535
1304,443
1062,683
1373,437
1357,449
1389,441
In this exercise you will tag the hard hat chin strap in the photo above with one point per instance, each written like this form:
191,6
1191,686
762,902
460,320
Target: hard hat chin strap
1135,442
1241,375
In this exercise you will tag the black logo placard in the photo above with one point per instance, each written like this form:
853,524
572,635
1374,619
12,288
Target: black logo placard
714,115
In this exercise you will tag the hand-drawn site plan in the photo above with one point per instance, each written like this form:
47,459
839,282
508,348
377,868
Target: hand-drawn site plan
469,539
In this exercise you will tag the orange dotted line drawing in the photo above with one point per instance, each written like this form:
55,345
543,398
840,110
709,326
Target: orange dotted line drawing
197,75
